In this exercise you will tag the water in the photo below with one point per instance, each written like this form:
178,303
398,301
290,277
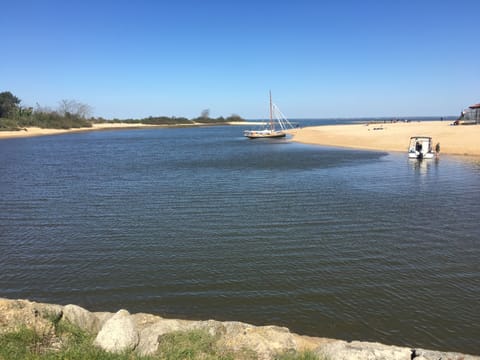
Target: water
203,223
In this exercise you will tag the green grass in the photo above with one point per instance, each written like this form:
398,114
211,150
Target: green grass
70,342
194,344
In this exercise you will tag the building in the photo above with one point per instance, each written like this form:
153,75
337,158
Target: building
471,115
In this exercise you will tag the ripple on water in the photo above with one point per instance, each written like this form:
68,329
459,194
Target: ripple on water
198,223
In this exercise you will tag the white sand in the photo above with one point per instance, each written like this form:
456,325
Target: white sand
34,131
459,140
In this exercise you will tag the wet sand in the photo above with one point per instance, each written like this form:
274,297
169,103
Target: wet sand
458,140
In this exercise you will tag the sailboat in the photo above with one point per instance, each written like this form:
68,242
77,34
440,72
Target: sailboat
275,128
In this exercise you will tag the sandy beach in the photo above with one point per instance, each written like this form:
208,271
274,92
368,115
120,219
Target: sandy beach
457,140
34,131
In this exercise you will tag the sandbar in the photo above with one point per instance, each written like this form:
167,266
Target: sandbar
394,136
35,131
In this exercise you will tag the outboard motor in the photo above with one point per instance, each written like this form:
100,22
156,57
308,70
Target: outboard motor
418,148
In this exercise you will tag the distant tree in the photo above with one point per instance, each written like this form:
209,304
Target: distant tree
84,110
42,109
8,104
205,114
23,113
235,117
72,107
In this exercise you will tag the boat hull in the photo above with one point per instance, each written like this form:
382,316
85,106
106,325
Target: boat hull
417,155
264,134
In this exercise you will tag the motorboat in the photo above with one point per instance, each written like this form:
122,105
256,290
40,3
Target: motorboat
420,147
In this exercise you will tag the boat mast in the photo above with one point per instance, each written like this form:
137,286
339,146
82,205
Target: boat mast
271,111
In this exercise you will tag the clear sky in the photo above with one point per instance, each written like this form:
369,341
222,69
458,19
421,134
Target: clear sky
321,59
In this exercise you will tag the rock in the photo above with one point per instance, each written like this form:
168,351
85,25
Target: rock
15,314
82,318
356,350
362,350
118,334
309,343
265,341
150,335
102,317
143,320
213,327
142,332
436,355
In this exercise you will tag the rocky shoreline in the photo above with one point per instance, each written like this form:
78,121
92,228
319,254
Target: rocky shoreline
122,331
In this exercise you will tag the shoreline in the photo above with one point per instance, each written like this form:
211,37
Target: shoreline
35,131
393,137
388,137
142,333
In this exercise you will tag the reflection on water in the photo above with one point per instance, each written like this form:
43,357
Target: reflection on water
203,223
423,166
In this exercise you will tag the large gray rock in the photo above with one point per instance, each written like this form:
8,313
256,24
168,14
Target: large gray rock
265,341
150,335
102,318
82,318
356,350
362,350
213,327
118,334
421,354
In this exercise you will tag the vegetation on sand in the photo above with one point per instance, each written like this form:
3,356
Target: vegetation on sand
72,114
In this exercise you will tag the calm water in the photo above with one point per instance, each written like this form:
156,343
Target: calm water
203,223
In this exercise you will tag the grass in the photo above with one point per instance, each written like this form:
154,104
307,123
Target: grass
72,343
53,120
194,344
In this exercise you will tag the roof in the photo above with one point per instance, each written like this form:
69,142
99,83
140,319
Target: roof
476,106
421,137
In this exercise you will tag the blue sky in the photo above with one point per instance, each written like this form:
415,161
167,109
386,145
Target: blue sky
321,59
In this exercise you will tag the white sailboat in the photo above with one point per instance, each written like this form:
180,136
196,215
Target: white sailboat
275,128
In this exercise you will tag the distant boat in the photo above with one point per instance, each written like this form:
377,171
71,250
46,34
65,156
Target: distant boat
275,128
420,147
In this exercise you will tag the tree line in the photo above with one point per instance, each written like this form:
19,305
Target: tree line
73,114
